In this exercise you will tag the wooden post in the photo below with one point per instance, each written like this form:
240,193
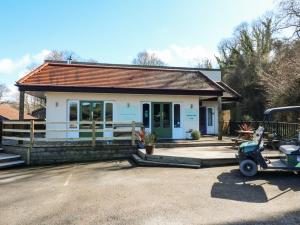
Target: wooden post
21,105
1,133
94,134
31,141
220,118
133,134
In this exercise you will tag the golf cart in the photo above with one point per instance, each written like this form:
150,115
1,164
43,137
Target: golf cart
249,153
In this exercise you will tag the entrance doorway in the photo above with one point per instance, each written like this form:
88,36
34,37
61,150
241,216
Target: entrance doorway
202,120
162,119
89,111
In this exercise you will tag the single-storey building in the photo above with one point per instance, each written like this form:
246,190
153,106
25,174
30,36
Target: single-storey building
169,101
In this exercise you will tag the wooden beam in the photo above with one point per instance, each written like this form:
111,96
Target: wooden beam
21,105
220,118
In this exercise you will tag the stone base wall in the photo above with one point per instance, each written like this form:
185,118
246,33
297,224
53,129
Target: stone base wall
69,154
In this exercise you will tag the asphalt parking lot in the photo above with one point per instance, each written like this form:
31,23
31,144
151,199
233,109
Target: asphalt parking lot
120,193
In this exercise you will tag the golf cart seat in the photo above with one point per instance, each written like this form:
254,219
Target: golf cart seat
290,149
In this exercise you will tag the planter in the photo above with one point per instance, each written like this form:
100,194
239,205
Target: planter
149,149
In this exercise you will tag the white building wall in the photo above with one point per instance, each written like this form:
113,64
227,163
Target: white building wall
56,109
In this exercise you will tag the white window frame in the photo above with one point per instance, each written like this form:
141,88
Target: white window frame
104,111
150,115
181,117
69,101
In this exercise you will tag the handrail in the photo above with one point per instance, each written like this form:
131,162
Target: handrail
29,129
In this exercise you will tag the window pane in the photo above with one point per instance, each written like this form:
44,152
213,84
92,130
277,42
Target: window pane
209,117
73,111
166,116
85,111
73,116
176,115
97,111
156,115
108,113
146,115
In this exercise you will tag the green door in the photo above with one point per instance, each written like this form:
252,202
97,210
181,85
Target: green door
162,119
89,111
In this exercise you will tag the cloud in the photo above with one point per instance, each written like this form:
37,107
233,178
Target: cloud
176,55
12,69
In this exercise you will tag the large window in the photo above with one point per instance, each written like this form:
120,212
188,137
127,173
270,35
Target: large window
166,116
156,115
97,111
73,114
108,113
177,122
146,115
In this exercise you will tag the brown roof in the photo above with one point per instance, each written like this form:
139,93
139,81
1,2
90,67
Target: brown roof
61,74
229,93
10,113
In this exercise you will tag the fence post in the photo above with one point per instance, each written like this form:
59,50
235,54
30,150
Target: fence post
31,141
93,134
133,134
1,133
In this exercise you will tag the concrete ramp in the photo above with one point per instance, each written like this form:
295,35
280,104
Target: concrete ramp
192,157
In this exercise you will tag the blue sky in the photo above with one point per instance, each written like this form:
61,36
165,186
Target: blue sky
179,31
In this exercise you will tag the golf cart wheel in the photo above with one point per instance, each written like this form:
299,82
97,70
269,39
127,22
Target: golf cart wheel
248,168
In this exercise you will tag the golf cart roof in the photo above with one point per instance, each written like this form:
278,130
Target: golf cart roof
282,109
268,113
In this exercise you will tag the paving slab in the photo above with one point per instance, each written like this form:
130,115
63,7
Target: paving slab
216,152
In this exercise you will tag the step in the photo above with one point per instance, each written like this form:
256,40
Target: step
5,157
168,159
143,162
1,149
193,144
11,164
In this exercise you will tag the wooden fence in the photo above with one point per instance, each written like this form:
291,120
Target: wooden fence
282,129
33,131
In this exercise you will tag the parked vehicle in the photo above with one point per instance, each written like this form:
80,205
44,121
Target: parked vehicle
249,153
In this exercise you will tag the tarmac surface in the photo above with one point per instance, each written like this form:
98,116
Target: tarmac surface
118,192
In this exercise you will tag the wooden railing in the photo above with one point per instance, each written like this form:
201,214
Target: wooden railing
282,129
32,131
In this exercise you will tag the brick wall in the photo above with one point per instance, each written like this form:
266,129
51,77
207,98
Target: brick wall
68,154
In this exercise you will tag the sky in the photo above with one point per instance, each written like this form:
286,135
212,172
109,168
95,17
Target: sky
180,32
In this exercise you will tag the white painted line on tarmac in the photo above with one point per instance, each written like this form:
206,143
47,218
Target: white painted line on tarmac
68,179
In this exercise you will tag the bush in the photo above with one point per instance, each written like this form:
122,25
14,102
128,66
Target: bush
195,135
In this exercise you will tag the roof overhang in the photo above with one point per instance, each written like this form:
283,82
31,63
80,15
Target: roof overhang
47,88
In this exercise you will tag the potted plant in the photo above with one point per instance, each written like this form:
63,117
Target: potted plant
150,140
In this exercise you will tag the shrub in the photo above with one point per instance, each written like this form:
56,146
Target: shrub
195,135
150,139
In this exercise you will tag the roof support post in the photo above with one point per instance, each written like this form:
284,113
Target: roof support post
220,118
21,105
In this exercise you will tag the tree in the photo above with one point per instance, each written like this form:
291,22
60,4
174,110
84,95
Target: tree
289,15
62,55
243,60
147,59
283,75
3,90
204,63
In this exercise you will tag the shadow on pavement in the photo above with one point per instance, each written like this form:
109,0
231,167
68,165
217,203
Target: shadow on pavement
286,218
46,172
233,186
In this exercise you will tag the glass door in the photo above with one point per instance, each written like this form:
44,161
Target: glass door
89,111
210,120
162,119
